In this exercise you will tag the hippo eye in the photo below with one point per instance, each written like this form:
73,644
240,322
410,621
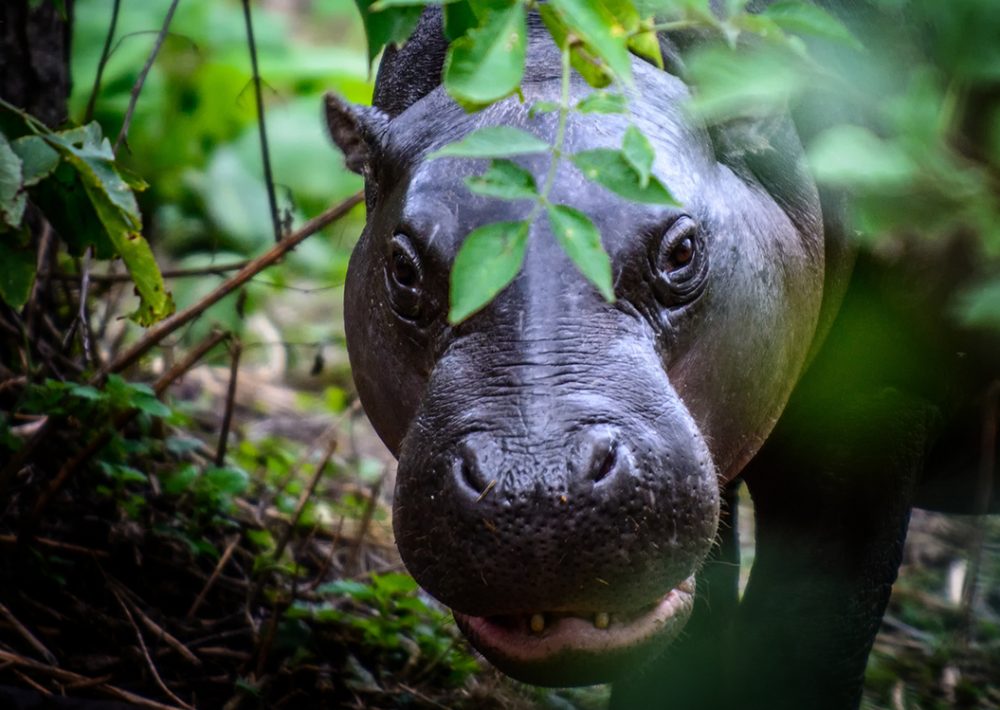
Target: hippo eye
404,271
404,277
679,263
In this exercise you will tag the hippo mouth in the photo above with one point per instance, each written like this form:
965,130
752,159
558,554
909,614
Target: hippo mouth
567,648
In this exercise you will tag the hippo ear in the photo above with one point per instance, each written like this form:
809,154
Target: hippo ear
357,130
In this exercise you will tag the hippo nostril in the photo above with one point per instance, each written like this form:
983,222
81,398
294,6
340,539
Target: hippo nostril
607,462
470,473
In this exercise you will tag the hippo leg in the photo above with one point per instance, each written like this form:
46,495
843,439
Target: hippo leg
686,672
831,517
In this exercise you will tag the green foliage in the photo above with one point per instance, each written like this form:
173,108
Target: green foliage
392,618
493,142
54,168
487,261
613,169
505,180
581,241
487,63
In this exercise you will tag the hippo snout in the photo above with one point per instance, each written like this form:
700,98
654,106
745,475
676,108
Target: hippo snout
528,525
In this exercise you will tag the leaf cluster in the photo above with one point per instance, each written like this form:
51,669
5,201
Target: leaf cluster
89,199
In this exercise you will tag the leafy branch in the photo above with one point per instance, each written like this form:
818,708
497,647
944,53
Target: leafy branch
485,64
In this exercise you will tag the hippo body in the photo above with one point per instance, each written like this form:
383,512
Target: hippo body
567,464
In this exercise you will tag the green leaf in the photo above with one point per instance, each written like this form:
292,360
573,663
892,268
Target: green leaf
601,102
809,19
505,180
749,82
488,260
580,239
601,30
611,169
17,272
391,26
647,44
227,479
115,205
639,153
181,479
493,142
979,305
38,158
458,19
487,64
850,156
151,405
86,392
587,64
543,107
12,197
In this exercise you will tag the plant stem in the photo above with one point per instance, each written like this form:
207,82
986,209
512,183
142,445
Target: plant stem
557,155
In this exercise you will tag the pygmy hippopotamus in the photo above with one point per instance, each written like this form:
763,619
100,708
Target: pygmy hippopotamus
566,463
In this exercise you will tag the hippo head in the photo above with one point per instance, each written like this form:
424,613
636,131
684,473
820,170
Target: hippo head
561,456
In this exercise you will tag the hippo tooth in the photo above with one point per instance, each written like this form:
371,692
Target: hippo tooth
602,619
537,623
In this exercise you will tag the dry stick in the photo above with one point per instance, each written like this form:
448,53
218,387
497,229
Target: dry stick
304,497
37,686
984,494
209,270
83,315
214,576
28,636
141,79
105,53
159,631
58,545
69,676
261,127
307,492
227,418
84,454
145,652
167,326
366,521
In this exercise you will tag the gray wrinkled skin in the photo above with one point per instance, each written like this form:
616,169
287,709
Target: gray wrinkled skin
558,452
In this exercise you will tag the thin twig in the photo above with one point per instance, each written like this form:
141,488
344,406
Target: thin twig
261,126
215,576
34,684
304,497
235,349
159,631
366,521
28,636
141,79
167,326
71,677
145,652
84,454
83,316
88,115
166,273
58,545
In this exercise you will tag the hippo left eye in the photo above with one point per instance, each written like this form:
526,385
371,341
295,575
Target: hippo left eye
680,265
404,277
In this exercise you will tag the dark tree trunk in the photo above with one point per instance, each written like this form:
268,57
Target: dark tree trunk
34,57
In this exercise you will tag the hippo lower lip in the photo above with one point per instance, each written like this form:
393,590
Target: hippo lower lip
578,648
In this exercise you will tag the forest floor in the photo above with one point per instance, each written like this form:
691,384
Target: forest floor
177,569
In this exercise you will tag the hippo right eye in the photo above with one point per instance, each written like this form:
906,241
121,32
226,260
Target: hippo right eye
404,277
680,264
